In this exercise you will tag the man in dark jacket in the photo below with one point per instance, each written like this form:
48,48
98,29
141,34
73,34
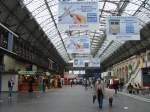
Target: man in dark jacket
10,87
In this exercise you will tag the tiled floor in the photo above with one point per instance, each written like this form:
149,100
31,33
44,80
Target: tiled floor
67,99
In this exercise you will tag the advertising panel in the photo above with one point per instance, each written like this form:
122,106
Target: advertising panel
122,28
78,45
78,16
79,62
94,62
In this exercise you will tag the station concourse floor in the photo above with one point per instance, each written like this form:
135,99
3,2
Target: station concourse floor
68,99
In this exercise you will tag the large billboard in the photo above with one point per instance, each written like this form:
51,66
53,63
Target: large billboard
122,28
78,45
94,62
79,62
78,16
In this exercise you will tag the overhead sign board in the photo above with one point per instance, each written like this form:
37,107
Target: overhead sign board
122,28
78,16
27,72
32,73
78,45
79,62
94,62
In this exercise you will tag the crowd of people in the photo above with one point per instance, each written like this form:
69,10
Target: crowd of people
97,85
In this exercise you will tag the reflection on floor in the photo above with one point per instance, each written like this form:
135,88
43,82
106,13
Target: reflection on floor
69,99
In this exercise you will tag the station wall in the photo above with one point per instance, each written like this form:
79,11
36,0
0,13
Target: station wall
5,79
124,69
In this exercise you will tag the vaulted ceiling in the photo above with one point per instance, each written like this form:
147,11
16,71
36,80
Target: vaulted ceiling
36,21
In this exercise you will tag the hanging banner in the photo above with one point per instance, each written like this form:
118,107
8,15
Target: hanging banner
78,62
10,41
78,16
122,28
78,45
94,62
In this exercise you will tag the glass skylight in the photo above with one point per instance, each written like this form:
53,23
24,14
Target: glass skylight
100,46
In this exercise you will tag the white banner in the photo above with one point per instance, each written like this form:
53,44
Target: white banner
78,16
78,45
78,62
94,62
122,28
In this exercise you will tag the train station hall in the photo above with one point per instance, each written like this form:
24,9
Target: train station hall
74,55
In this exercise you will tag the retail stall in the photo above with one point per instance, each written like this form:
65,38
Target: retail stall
29,81
56,81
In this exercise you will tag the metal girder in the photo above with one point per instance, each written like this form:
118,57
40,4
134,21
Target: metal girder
124,53
93,39
40,11
14,9
125,48
109,1
100,45
122,7
19,20
45,21
107,11
120,10
133,44
142,5
106,48
46,2
28,2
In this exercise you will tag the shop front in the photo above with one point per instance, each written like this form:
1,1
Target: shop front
30,81
56,81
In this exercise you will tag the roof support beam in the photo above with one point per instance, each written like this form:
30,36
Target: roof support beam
122,7
39,44
51,14
106,48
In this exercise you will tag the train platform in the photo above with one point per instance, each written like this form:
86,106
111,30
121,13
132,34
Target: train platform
69,99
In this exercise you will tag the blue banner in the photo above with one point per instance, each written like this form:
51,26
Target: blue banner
10,41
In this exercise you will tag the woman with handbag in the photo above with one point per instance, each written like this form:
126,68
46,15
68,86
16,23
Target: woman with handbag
100,93
94,92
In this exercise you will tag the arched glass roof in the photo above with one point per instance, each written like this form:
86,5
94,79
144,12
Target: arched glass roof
46,11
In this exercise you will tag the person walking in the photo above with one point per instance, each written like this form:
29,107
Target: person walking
94,91
30,83
10,87
100,92
44,85
115,87
130,88
71,82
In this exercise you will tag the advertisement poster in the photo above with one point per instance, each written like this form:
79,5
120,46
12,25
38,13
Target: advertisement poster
78,45
94,62
78,16
122,28
78,62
